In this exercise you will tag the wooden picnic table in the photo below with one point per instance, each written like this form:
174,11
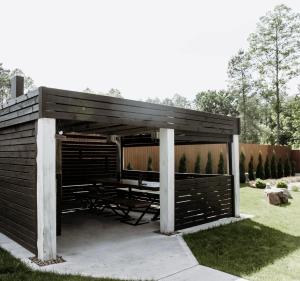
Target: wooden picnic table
131,203
132,184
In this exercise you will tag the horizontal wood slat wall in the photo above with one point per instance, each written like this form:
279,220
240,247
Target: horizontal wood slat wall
154,176
201,200
83,164
18,213
20,110
68,105
138,156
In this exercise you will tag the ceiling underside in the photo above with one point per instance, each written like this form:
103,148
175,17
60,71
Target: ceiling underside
137,136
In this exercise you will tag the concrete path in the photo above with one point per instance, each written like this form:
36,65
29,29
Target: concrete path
104,247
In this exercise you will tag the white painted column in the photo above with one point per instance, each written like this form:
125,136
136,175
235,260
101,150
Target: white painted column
167,180
235,156
46,189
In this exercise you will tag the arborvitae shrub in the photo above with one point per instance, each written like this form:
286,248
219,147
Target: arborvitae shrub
274,170
182,164
221,164
251,169
242,168
260,169
281,184
129,167
280,169
208,168
293,168
197,164
149,164
267,168
287,167
260,184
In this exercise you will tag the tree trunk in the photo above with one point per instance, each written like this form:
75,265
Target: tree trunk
244,115
277,107
244,128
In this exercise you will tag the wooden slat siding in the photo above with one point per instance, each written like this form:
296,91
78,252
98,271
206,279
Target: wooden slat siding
201,200
20,110
83,164
295,156
18,217
70,105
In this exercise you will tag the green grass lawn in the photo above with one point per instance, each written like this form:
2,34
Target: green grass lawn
265,248
12,269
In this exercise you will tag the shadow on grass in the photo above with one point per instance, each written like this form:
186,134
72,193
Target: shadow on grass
241,248
284,205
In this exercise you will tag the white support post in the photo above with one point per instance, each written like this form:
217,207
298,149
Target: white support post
235,157
46,189
167,181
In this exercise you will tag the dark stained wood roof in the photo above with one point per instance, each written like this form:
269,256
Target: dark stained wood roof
77,106
90,114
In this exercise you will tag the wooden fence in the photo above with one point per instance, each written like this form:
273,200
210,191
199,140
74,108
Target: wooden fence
138,156
201,200
296,157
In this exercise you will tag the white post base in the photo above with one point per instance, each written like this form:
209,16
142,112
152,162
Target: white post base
235,156
46,189
167,181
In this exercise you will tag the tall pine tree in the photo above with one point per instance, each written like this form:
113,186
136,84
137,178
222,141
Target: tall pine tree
274,49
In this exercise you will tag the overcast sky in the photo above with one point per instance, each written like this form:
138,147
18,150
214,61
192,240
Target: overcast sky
143,48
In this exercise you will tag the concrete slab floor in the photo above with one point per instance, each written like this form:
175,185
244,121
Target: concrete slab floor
101,246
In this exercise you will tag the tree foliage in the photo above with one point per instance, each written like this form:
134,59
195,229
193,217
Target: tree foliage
267,168
287,167
218,102
251,169
197,164
208,168
240,83
221,168
274,169
177,101
242,168
274,48
149,164
259,168
129,167
280,172
182,164
6,75
4,83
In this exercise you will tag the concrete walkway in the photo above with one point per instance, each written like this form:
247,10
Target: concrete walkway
104,247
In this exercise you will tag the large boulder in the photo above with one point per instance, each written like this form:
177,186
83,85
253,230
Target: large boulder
277,196
273,198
